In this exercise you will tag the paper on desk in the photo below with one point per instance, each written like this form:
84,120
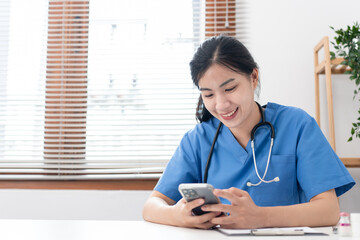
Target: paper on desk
307,230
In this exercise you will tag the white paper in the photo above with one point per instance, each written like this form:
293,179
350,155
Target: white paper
307,230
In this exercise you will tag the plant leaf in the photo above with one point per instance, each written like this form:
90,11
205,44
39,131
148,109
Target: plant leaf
332,55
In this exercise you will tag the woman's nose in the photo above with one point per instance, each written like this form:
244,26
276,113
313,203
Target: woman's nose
222,103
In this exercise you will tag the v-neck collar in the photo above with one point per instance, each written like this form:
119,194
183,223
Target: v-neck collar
229,142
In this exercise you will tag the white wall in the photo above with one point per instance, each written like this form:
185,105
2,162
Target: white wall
283,35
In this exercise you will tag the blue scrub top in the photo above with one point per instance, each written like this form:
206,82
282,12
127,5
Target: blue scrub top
301,157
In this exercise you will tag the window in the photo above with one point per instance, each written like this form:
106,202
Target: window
100,89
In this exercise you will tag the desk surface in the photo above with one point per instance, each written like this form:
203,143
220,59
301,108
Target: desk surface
108,230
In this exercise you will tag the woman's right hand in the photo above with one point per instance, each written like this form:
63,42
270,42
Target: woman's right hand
183,217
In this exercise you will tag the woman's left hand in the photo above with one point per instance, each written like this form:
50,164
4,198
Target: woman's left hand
242,213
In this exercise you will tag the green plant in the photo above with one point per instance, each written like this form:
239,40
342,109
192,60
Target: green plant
347,46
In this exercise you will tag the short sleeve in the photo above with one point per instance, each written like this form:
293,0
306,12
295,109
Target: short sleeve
182,168
319,169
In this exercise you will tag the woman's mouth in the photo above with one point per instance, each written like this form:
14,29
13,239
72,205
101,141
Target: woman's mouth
229,115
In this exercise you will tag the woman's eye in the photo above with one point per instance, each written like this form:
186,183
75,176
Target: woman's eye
230,89
209,95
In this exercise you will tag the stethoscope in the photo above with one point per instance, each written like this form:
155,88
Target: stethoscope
256,127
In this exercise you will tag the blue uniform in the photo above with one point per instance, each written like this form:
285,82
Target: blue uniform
301,157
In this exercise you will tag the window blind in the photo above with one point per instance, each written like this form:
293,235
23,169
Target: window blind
226,17
100,89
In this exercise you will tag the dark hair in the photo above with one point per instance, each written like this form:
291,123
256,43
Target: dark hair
223,50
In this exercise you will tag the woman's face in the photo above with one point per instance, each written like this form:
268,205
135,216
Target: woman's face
228,95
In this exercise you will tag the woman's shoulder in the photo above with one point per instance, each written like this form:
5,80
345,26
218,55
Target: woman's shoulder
289,112
204,130
200,135
204,127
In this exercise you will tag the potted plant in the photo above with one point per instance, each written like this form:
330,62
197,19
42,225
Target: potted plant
347,46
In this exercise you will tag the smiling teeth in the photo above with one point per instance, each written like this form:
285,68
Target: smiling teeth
229,114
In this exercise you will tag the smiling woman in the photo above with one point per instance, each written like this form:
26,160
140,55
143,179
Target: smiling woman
271,166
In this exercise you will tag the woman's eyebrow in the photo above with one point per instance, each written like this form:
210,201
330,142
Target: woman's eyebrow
226,82
221,85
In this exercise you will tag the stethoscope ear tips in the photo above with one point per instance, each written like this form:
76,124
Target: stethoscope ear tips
248,184
276,179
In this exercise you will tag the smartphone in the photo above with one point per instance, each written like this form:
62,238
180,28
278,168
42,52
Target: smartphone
192,191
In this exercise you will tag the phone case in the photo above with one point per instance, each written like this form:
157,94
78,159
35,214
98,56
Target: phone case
192,191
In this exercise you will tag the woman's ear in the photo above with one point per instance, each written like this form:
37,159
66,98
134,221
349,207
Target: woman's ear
255,78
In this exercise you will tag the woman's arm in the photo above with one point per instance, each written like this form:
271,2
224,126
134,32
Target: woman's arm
322,210
161,209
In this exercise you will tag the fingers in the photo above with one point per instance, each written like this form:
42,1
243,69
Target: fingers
231,194
204,218
206,225
193,204
202,221
187,219
236,196
223,220
219,208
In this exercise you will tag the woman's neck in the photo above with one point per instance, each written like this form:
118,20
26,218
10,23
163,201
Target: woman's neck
242,134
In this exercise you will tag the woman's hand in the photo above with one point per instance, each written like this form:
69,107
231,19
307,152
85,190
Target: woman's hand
242,213
183,217
322,210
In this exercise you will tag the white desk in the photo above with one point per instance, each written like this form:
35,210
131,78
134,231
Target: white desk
120,230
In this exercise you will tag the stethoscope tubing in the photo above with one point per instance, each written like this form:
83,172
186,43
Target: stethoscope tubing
253,131
211,152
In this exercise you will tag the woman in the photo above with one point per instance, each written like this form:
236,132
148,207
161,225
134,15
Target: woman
302,181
